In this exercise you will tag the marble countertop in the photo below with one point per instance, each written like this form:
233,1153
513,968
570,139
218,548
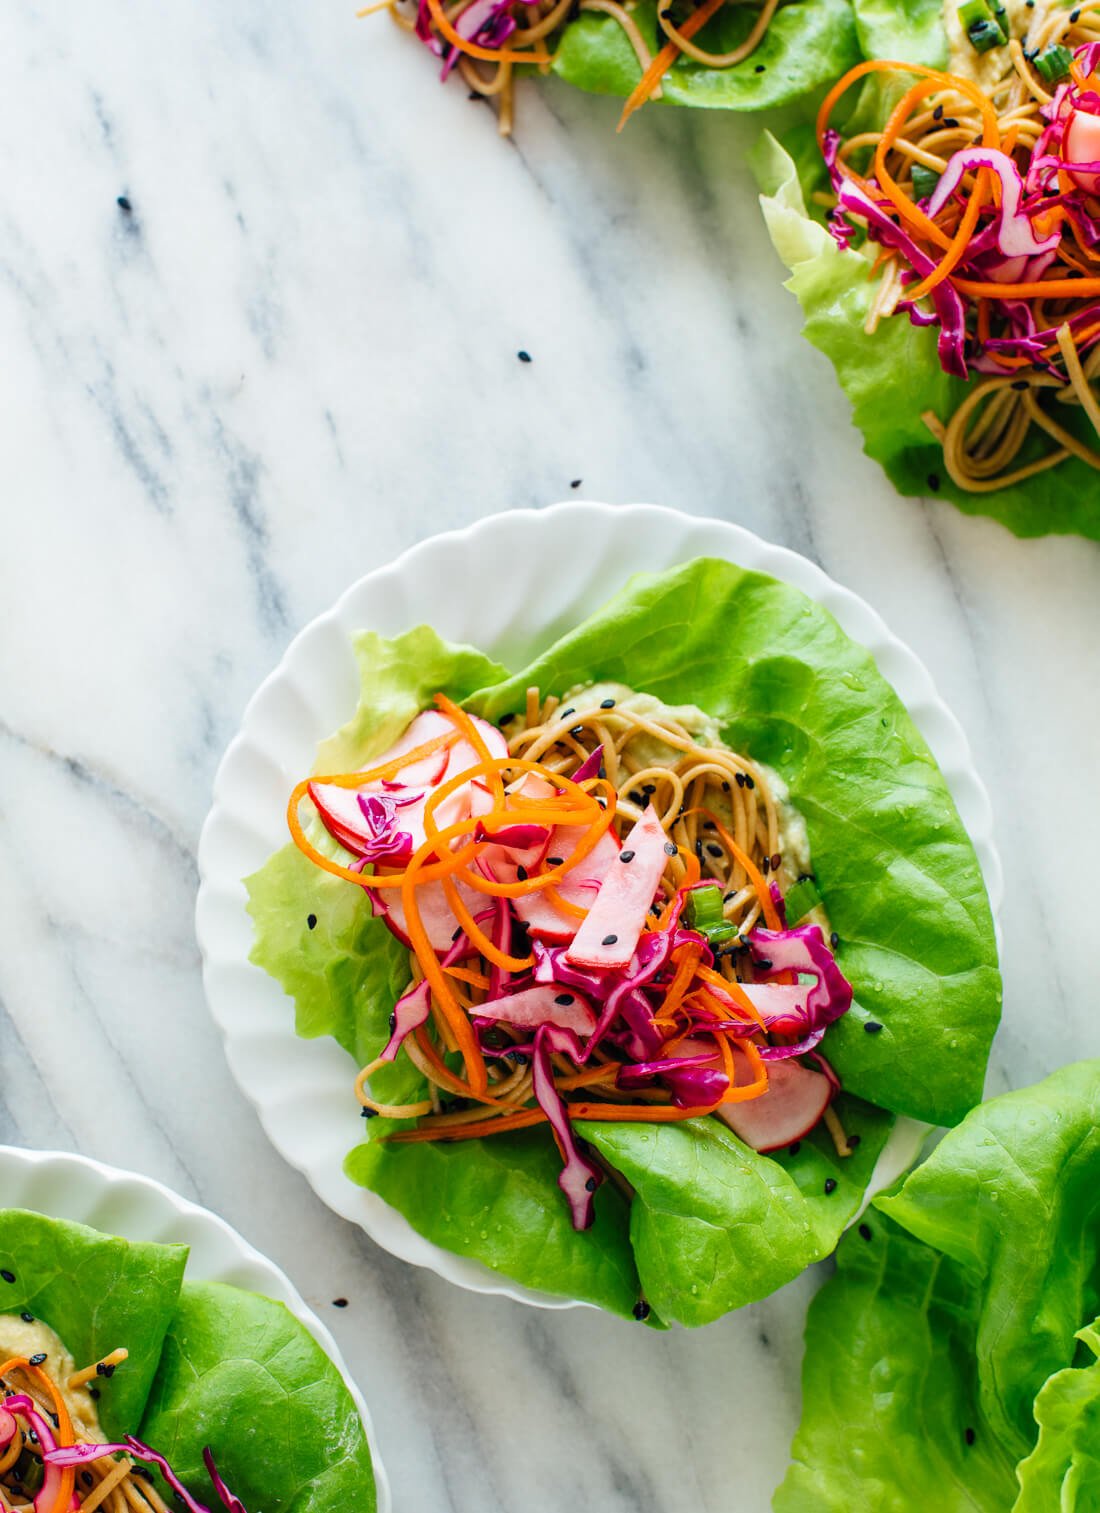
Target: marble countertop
294,355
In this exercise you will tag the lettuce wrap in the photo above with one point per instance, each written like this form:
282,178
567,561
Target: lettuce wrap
207,1366
711,1223
952,1361
893,374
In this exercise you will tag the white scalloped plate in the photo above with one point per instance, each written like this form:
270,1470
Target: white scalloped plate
71,1187
509,585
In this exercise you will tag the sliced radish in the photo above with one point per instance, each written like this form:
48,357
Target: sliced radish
546,1003
428,726
436,914
579,886
502,862
793,1104
781,1006
608,936
1082,145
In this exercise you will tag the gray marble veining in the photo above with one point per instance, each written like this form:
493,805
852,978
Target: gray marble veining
287,356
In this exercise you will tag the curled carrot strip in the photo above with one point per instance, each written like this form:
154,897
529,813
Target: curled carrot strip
474,49
664,61
64,1425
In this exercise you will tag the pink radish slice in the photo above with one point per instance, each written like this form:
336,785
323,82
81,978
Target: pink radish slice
436,914
427,726
793,1104
1082,145
538,912
608,936
781,1006
502,863
546,1003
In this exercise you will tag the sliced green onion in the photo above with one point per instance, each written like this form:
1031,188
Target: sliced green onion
803,896
1053,64
985,24
924,184
985,35
704,914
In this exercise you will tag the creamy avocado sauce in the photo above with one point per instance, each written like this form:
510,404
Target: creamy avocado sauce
21,1337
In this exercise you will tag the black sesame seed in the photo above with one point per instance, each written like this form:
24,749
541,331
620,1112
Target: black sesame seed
339,1302
370,1113
950,122
607,703
970,1436
554,861
739,779
853,1142
934,482
28,1318
32,1435
93,1392
725,786
123,203
864,1231
794,1149
830,1185
577,730
649,787
765,966
766,865
872,1027
393,1022
635,797
1019,383
626,856
521,873
591,1185
311,921
670,850
565,713
1074,16
8,1276
102,1369
565,999
506,719
937,114
524,356
87,1478
713,850
726,897
708,824
834,940
749,782
641,1309
576,483
609,940
758,68
455,934
36,1360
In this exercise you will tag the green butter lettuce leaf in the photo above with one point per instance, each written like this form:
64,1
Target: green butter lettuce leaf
890,1389
715,1225
240,1374
906,31
1062,1473
900,881
893,376
314,933
895,867
808,45
498,1201
951,1362
1013,1196
97,1293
